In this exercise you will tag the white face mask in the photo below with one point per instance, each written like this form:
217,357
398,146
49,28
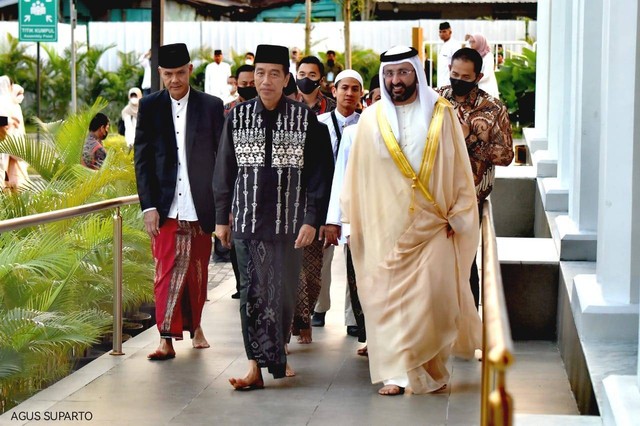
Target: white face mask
133,101
19,99
248,61
231,88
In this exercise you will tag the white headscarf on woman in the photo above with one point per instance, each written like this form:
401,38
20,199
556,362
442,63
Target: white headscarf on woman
18,93
6,96
426,95
10,108
132,106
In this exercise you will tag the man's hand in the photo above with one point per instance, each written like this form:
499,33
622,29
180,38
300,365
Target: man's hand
331,234
223,232
152,223
305,236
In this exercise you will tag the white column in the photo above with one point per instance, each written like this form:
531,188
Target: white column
566,129
537,137
542,66
618,254
583,194
559,89
635,204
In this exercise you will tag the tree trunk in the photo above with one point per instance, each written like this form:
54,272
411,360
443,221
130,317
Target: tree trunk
347,33
307,27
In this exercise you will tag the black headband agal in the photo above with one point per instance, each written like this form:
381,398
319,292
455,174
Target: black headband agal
398,56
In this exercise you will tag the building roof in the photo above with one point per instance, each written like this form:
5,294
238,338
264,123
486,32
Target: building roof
456,1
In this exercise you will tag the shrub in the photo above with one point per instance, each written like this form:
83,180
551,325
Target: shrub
517,85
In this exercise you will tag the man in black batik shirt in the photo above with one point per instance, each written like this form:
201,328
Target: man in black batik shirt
271,185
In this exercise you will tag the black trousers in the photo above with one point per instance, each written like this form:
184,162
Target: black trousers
474,278
269,272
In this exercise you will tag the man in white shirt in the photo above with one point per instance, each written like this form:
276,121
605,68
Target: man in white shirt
347,92
145,63
176,141
293,61
215,76
446,52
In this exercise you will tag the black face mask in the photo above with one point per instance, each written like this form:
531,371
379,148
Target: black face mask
461,87
247,93
307,86
330,62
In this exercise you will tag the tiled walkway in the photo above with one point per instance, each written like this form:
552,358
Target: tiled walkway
332,385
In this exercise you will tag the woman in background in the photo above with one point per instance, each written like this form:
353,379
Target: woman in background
488,82
130,116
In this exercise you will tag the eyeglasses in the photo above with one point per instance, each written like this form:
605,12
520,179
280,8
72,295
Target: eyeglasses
399,73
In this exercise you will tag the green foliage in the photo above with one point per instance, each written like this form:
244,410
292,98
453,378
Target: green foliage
55,75
56,279
517,84
35,347
365,61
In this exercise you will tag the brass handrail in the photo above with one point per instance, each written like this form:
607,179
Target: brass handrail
56,215
497,346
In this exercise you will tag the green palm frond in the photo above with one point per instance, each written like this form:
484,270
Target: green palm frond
11,362
39,253
27,329
42,157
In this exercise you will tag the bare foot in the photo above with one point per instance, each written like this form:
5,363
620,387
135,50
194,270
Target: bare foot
391,390
199,341
252,380
289,371
305,336
165,351
363,351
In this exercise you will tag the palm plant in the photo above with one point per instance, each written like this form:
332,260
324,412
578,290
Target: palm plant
55,279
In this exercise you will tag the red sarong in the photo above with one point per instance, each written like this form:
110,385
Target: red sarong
181,251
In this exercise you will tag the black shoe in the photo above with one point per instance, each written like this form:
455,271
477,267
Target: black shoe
353,330
236,295
317,319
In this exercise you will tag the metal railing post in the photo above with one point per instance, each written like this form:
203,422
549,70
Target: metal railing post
485,388
117,283
497,345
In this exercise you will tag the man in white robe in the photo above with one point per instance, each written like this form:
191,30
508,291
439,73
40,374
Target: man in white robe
409,209
216,75
445,53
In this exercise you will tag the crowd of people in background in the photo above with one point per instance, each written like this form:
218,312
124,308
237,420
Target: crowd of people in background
304,157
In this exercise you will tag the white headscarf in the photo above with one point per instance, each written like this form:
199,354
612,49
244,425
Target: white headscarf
426,95
18,93
132,107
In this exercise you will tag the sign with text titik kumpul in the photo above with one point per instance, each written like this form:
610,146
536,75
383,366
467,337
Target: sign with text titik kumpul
38,20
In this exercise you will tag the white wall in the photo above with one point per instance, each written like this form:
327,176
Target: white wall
245,36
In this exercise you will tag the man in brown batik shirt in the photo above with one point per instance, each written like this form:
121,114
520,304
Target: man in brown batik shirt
485,125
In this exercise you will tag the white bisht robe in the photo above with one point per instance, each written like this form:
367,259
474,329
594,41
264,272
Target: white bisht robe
413,281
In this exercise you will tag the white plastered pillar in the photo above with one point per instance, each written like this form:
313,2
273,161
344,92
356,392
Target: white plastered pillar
577,230
536,137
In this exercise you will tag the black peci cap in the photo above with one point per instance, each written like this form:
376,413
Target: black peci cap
272,54
173,55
